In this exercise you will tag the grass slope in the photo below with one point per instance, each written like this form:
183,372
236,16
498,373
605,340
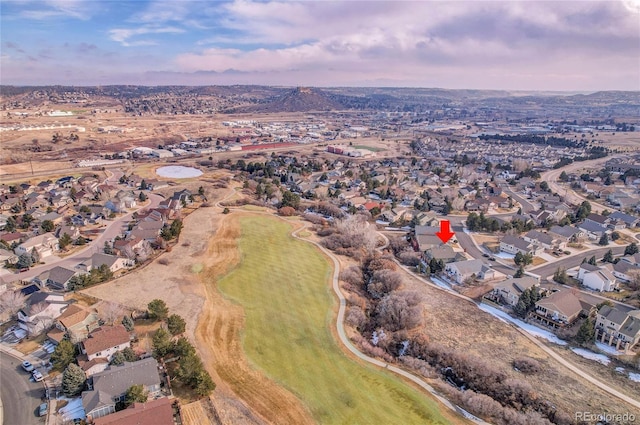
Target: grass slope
282,285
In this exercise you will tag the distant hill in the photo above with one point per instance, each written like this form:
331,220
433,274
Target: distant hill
300,99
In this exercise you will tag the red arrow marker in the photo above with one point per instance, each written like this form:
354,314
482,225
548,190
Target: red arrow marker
445,232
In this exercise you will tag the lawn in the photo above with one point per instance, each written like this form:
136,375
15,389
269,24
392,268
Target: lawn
283,286
369,148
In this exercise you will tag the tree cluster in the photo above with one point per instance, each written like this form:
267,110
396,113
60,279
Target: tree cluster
171,232
527,301
95,276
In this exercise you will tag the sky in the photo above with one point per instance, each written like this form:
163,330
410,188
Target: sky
511,45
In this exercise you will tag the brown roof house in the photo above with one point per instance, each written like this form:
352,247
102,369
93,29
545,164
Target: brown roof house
562,308
154,412
76,322
105,342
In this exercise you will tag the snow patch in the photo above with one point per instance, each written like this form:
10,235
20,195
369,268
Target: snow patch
600,358
73,409
531,329
620,369
608,349
441,283
635,377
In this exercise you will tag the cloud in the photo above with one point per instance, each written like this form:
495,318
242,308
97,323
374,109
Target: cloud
416,41
122,35
48,9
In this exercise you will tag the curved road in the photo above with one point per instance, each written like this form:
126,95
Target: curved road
345,340
20,397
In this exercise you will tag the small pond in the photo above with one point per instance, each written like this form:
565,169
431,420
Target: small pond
178,172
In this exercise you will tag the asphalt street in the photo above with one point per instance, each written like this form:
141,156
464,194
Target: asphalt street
20,396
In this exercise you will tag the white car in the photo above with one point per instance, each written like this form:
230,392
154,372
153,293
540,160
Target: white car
27,366
37,376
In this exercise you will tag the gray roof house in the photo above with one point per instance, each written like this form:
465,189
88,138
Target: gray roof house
615,327
543,239
57,277
509,291
459,271
569,233
629,220
592,229
109,387
513,245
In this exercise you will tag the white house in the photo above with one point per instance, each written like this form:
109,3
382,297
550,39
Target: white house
459,271
600,280
105,342
40,312
513,245
45,244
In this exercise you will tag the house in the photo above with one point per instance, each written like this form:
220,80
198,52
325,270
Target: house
624,270
460,271
567,234
72,231
509,291
41,309
562,308
105,341
615,327
109,387
593,230
76,322
45,245
544,240
425,238
586,268
7,257
628,220
153,412
513,244
114,263
57,277
442,252
131,248
600,280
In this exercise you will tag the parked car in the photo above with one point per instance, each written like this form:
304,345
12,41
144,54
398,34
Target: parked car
43,409
37,376
27,366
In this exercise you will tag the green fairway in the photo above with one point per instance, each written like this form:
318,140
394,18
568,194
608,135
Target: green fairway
283,285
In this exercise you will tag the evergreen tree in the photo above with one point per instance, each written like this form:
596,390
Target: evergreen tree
127,322
631,249
592,261
73,380
64,241
117,358
157,309
608,257
63,355
135,394
176,324
24,261
129,355
586,333
161,343
604,240
519,272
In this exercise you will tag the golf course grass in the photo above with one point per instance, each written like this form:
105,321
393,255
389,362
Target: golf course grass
283,286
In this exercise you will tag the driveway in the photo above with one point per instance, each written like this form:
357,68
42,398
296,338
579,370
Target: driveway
20,397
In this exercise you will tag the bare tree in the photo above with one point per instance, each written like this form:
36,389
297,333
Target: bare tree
11,302
399,310
111,312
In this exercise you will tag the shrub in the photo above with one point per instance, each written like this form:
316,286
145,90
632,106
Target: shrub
287,211
409,258
527,365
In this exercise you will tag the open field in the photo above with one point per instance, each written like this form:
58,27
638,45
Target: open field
288,308
476,333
